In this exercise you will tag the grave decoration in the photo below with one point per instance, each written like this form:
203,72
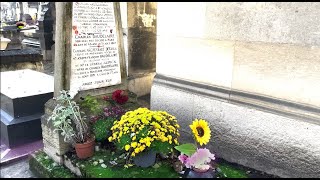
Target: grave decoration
197,160
130,140
142,133
68,119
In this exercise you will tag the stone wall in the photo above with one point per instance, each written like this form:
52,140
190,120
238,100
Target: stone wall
142,29
252,70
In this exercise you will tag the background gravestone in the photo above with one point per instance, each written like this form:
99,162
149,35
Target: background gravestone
46,24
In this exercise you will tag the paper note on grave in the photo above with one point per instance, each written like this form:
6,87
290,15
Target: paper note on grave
94,51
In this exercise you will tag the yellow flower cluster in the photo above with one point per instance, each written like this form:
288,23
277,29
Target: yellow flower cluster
144,127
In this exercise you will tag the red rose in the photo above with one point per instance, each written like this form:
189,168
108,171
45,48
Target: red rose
120,96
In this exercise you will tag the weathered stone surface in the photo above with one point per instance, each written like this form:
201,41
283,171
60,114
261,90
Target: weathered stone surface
276,22
54,144
282,71
37,66
141,85
19,59
264,141
142,36
19,169
199,60
164,98
72,167
185,19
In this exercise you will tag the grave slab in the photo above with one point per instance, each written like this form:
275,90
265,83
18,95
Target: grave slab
23,95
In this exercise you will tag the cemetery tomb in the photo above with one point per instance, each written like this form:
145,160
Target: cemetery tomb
23,95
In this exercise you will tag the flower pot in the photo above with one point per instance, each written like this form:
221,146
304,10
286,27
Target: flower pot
145,159
197,173
85,150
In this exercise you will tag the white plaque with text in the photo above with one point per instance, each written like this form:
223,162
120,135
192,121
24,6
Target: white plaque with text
94,49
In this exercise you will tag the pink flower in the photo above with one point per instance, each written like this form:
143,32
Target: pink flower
200,159
183,158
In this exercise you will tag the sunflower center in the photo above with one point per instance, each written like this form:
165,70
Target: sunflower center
200,131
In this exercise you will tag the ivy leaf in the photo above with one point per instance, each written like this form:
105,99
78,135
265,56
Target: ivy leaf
187,148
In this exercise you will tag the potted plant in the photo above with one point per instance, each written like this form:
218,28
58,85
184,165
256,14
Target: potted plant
143,133
67,118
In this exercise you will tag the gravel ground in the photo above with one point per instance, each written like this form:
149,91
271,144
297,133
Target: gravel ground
17,169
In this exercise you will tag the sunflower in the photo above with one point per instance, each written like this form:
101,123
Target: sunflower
201,131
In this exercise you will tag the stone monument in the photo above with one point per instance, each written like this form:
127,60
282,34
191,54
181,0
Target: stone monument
89,59
23,94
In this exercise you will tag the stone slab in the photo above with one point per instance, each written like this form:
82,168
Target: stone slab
24,83
24,92
200,60
20,55
282,71
18,131
273,22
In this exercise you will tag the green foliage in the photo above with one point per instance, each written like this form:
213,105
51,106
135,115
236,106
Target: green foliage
45,167
125,139
89,170
228,171
91,103
143,132
101,128
67,119
187,149
161,147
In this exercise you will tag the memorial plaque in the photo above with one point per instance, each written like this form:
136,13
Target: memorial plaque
95,61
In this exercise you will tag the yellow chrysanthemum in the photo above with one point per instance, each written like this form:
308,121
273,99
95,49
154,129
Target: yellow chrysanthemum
201,131
134,144
127,147
110,139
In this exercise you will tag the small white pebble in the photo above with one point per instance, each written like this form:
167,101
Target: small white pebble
95,163
113,163
97,148
103,165
81,165
46,157
101,161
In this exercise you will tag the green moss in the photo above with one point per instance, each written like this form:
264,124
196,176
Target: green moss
89,170
229,171
43,166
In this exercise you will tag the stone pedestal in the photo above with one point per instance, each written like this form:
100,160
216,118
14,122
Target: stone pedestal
23,94
53,142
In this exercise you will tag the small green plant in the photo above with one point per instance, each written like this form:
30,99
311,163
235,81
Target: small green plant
91,103
102,128
66,117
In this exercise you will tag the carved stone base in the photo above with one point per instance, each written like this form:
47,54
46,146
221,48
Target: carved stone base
53,142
